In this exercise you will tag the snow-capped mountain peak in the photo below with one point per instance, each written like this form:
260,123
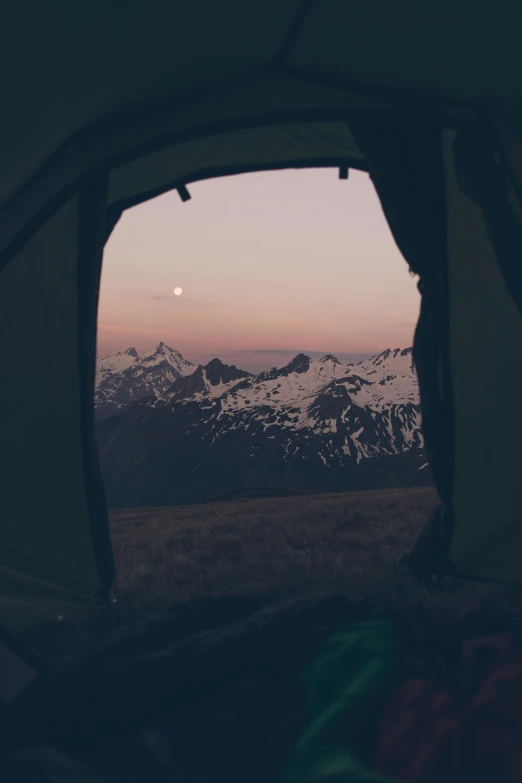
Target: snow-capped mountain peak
164,353
378,383
115,364
129,376
393,376
215,428
211,380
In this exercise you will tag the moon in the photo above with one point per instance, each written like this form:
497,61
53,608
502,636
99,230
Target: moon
178,291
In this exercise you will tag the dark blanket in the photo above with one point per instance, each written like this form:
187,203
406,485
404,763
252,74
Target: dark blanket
317,691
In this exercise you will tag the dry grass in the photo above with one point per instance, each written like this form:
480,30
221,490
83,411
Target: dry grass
271,548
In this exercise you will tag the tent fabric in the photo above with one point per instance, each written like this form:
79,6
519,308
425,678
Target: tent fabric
405,165
102,110
52,509
488,515
264,101
17,668
75,66
247,149
455,215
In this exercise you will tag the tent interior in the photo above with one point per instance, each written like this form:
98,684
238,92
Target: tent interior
105,108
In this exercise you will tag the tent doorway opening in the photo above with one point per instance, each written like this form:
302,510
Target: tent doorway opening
254,371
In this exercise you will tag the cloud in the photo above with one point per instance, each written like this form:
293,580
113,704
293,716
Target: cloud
291,352
295,351
258,351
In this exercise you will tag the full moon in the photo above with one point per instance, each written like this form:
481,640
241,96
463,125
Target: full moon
178,291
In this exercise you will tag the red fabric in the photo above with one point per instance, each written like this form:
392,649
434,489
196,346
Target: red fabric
460,722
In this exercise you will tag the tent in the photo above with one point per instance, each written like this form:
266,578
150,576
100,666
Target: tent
108,105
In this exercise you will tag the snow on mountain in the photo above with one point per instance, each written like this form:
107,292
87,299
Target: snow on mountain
212,380
312,423
393,377
107,365
130,376
163,353
380,382
325,396
165,376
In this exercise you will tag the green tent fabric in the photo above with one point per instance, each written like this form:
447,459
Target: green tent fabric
405,163
480,230
105,107
346,688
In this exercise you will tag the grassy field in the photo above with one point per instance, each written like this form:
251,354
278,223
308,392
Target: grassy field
273,550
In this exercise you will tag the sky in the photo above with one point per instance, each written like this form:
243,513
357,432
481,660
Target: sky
270,264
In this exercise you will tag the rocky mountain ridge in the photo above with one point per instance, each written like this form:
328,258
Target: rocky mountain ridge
215,429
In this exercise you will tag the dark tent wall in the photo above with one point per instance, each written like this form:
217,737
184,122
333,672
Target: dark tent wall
52,512
71,65
277,146
104,109
484,243
452,198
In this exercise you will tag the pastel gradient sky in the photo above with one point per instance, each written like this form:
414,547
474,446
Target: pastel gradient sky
270,264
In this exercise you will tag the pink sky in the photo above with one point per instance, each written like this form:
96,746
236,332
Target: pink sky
270,264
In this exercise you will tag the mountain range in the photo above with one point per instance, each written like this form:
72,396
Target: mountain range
172,432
